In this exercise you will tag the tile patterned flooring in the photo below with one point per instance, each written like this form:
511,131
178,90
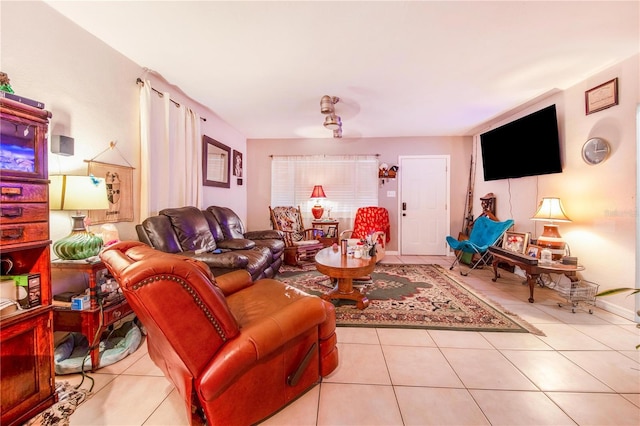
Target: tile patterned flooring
584,371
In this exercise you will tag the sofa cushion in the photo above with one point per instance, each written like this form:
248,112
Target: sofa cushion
157,232
236,244
191,228
229,221
214,226
230,260
275,246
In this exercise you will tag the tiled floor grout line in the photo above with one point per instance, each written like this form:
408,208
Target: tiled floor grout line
541,315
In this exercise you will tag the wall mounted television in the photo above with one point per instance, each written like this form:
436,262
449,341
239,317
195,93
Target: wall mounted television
528,146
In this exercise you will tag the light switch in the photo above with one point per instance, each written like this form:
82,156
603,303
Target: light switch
391,194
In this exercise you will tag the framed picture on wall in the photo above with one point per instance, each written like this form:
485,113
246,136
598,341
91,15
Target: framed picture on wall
237,163
515,241
216,158
601,97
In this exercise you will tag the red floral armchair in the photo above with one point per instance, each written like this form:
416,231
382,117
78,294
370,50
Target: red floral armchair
373,221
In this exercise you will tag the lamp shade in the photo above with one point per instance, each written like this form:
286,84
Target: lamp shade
318,192
77,193
551,210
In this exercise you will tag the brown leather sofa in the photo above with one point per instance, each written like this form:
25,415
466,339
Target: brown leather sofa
231,228
237,351
216,240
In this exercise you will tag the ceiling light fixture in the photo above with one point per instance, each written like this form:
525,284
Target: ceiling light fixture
331,121
326,104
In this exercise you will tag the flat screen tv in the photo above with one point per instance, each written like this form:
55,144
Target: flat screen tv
528,146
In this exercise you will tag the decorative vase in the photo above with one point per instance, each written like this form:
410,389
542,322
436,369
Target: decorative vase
317,211
78,245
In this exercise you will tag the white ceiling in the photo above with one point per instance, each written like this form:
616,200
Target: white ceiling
400,68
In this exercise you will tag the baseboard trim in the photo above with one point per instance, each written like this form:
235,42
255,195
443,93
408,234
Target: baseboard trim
615,309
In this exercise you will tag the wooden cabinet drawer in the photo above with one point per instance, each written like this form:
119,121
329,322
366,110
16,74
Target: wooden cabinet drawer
24,233
16,192
23,212
117,312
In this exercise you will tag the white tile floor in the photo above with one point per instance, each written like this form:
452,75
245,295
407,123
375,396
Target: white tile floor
585,371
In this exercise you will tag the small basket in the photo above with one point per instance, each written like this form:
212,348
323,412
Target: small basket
578,291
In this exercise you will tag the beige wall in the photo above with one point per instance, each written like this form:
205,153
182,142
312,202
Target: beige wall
90,90
389,149
601,199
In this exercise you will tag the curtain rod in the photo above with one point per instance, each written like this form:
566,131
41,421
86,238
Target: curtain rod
317,155
139,81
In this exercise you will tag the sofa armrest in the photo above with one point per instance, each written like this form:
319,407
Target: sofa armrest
258,341
267,234
236,244
346,234
234,281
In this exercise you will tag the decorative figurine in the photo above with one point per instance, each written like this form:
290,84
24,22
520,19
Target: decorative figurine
4,83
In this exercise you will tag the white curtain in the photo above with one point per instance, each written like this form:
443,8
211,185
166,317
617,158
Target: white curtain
349,182
171,154
145,142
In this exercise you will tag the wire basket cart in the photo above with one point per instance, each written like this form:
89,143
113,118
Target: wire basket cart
578,293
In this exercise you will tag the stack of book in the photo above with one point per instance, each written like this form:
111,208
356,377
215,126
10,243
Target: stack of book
21,99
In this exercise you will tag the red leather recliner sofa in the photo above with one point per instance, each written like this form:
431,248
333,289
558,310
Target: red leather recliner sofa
237,351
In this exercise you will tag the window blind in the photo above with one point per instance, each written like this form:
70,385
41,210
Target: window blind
349,181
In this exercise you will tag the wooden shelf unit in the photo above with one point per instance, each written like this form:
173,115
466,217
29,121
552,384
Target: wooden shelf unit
26,336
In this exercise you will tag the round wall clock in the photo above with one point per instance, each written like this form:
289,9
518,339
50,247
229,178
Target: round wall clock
595,151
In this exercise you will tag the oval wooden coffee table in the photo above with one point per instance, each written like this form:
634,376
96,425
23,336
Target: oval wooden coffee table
344,269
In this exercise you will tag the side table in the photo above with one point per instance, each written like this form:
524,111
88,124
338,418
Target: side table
327,236
332,263
530,266
94,321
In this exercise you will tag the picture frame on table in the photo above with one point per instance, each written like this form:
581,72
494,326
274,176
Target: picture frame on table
515,241
601,97
332,232
533,251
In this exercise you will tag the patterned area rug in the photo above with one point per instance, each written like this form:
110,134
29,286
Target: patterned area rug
69,398
411,296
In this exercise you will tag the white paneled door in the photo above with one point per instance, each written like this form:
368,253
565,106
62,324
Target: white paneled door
424,201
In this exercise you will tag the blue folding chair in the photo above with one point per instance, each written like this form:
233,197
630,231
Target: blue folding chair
485,233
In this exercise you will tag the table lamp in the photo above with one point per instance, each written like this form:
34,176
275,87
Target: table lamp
551,210
317,193
77,193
